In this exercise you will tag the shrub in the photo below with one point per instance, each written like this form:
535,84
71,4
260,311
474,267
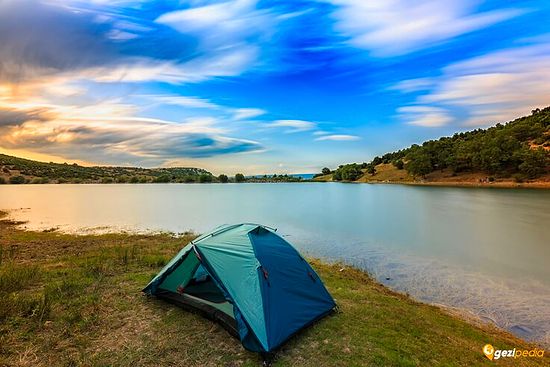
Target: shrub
16,180
518,177
205,178
398,164
162,179
371,170
239,177
348,172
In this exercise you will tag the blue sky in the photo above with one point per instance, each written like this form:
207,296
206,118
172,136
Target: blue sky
261,86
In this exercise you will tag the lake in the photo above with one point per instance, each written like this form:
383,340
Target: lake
485,251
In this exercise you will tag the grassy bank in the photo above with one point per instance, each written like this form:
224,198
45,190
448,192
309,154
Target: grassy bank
75,300
388,173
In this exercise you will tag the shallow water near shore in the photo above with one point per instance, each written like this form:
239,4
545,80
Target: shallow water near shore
482,250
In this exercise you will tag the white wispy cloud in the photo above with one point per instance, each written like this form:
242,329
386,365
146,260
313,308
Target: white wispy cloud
491,88
338,137
320,132
293,125
192,102
426,116
229,35
186,101
413,85
247,113
396,27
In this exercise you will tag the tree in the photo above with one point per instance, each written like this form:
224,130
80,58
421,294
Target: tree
398,164
205,178
371,169
16,180
223,178
239,177
419,164
534,162
162,179
325,171
348,172
377,160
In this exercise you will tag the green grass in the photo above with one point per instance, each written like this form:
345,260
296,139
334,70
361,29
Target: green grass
70,300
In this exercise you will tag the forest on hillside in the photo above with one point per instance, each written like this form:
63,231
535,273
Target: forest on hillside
518,149
16,170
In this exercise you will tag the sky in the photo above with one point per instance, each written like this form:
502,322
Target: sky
261,86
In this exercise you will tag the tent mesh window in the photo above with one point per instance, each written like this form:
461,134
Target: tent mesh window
192,287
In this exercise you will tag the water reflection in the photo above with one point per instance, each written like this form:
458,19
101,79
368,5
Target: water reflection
485,250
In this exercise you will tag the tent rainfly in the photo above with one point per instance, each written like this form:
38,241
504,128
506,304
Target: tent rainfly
250,280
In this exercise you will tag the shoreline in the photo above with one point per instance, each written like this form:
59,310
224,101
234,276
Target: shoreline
543,185
540,185
108,271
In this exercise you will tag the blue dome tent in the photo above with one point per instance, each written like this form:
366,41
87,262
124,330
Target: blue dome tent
249,279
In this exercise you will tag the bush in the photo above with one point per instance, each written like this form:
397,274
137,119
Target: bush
348,172
162,179
223,178
205,178
534,162
371,169
40,180
419,163
16,180
2,180
518,177
239,177
398,164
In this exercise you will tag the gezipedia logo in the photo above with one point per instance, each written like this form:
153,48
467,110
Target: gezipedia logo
492,353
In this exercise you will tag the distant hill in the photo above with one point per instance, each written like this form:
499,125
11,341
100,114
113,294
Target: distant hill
19,171
516,151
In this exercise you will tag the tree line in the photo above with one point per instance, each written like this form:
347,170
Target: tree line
519,149
15,170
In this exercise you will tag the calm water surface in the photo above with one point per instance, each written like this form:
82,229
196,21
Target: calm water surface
486,251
